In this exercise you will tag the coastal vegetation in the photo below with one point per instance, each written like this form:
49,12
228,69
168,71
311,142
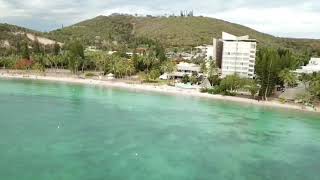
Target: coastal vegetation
126,45
274,68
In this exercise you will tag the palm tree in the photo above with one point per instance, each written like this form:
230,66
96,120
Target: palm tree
168,67
252,87
129,68
149,60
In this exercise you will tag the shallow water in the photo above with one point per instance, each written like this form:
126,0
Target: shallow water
51,131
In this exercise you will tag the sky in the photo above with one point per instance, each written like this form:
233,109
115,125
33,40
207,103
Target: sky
285,18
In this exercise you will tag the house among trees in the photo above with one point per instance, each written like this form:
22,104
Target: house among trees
312,67
184,69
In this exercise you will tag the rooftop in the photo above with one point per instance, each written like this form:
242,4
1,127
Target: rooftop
230,37
188,67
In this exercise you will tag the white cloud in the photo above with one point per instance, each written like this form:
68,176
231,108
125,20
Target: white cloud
278,21
3,9
278,17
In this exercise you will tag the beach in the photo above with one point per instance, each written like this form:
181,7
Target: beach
164,89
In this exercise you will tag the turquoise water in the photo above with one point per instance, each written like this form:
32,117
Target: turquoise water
55,131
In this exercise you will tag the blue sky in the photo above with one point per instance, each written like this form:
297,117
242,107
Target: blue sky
286,18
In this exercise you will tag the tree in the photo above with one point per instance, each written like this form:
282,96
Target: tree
36,46
252,87
213,70
39,62
193,79
24,64
305,79
18,48
287,59
25,51
56,60
76,58
288,77
119,68
306,98
168,67
73,62
48,61
267,70
76,49
214,80
231,83
198,60
129,68
149,60
315,86
305,57
203,67
110,63
56,49
185,79
154,74
9,61
181,14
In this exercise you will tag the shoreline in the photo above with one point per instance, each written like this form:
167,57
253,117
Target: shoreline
163,89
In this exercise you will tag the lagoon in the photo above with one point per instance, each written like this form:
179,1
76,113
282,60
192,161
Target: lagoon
71,132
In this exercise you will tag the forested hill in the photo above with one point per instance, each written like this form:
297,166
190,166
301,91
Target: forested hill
9,33
171,31
6,28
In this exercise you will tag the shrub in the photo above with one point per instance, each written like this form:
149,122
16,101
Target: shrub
193,80
305,98
90,74
204,90
220,90
185,79
39,67
215,90
282,100
24,64
214,80
154,74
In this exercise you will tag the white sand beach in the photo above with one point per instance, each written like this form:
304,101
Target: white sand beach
164,89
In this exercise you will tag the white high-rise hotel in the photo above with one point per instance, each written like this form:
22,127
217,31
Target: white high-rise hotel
238,55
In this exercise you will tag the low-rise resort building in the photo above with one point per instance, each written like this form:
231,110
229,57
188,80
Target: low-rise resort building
312,67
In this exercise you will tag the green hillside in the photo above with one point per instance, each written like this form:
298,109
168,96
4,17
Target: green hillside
191,31
14,34
171,31
103,28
